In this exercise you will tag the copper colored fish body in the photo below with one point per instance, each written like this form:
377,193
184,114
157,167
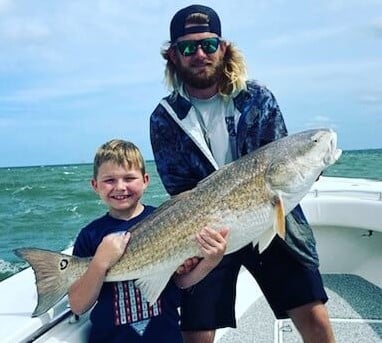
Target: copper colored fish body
250,196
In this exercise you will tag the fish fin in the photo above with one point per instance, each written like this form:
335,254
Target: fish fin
266,239
151,286
278,225
51,272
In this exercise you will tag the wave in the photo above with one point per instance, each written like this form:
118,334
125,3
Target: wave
22,189
7,267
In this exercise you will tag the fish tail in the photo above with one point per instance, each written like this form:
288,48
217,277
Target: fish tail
51,272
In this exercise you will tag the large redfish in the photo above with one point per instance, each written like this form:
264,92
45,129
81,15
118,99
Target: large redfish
250,196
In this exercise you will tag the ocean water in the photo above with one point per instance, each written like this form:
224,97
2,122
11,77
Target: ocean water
46,206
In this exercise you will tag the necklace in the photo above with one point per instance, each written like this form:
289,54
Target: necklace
208,113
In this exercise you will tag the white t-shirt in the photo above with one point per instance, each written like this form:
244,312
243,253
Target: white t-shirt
211,114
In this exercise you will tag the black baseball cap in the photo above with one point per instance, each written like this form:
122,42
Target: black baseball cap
177,26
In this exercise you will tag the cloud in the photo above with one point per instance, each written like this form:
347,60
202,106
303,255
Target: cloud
72,86
341,5
304,36
377,26
20,30
334,70
321,121
373,98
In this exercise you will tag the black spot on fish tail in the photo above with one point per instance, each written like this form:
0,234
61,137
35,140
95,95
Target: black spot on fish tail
50,269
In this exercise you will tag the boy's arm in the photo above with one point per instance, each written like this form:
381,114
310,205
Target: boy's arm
85,291
212,244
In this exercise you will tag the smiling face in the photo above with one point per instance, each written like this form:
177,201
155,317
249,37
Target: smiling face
121,188
199,70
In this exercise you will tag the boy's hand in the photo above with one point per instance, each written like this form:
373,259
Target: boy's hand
111,249
188,265
212,245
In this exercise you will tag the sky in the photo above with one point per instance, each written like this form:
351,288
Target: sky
77,73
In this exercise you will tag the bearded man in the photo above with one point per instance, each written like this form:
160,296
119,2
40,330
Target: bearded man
213,116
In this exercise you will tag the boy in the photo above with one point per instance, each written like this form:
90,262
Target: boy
120,313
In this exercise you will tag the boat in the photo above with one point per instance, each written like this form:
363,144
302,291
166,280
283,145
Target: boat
346,216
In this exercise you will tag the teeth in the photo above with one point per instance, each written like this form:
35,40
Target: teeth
120,197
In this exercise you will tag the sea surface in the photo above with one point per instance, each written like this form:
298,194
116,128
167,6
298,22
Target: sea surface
46,206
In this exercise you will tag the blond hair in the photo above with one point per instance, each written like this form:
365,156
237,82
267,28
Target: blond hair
234,71
120,152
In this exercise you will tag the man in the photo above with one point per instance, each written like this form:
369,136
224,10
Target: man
213,116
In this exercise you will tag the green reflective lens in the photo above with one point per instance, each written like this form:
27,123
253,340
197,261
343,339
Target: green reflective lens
189,47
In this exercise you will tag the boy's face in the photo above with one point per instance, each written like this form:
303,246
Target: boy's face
120,188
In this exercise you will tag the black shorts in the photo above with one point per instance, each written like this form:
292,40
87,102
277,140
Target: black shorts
285,282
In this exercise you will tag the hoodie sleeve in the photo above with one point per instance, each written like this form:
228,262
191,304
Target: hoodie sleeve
179,162
262,121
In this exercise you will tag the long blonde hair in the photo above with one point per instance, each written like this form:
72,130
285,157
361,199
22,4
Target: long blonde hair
234,71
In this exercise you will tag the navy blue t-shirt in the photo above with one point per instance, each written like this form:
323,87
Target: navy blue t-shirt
120,314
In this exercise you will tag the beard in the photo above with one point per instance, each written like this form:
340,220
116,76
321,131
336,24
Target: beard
210,75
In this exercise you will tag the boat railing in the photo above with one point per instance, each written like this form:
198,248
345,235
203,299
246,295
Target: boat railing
360,194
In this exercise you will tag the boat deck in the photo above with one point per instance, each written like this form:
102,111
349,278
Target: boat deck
354,306
355,310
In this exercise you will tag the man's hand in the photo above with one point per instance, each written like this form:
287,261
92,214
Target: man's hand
212,245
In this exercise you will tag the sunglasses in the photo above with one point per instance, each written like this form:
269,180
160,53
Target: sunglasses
189,47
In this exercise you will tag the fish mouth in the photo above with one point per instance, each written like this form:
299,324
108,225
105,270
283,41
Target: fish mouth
333,153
